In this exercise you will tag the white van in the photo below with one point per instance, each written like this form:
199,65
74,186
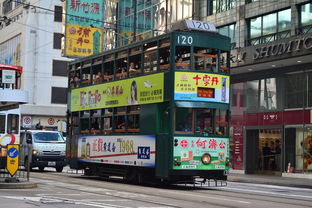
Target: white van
43,149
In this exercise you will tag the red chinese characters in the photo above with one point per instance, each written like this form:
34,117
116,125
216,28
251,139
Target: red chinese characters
85,7
206,79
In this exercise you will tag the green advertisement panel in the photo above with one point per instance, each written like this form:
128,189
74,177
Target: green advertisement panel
85,13
188,153
135,91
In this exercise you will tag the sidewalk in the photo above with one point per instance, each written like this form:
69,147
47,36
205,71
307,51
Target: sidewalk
285,180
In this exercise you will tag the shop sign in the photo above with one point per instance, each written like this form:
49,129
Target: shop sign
8,76
283,47
135,91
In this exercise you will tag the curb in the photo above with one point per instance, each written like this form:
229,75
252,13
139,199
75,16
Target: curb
20,185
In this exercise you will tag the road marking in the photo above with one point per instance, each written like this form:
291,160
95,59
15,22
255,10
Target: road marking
268,192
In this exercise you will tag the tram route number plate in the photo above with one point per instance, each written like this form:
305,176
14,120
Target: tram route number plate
51,163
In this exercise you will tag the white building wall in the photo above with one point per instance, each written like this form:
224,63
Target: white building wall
37,28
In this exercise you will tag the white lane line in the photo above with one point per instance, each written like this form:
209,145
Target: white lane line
274,186
268,192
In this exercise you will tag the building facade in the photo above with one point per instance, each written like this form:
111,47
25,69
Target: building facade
31,37
271,82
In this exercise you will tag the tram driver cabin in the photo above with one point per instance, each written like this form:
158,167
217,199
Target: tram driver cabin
156,109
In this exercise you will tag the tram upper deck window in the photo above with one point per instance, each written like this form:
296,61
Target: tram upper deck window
164,54
121,68
134,65
184,120
205,59
96,74
150,61
182,57
108,71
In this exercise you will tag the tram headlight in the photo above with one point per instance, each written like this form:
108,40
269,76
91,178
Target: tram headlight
206,158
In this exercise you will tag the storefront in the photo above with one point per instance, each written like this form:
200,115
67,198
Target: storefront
272,107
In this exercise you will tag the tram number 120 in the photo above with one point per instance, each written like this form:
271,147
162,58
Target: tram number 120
185,40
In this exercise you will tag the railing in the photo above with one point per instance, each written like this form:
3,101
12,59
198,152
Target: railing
268,38
304,30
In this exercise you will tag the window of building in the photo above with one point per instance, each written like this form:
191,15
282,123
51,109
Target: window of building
58,95
270,27
58,13
229,30
7,6
295,85
57,40
217,6
305,18
59,68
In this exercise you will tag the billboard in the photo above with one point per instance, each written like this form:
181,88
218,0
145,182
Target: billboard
84,24
134,91
189,152
10,51
136,150
192,86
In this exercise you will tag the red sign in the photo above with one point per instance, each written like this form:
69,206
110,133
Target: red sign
205,92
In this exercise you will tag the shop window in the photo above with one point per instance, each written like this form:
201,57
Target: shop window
251,95
268,94
184,120
204,122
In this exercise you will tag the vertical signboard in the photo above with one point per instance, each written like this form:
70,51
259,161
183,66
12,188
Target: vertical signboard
84,23
12,158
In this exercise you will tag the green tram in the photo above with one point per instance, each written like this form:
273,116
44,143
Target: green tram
155,109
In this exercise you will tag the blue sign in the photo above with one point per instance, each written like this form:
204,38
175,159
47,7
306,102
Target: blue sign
13,152
144,153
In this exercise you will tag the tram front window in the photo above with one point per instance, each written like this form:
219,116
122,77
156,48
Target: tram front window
184,120
204,121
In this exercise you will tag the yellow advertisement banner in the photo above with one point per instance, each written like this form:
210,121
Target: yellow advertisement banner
82,40
12,158
134,91
192,86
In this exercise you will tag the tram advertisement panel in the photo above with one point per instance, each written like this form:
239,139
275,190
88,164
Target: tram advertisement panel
119,150
189,152
139,90
189,86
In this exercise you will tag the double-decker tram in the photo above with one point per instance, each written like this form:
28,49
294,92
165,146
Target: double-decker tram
155,109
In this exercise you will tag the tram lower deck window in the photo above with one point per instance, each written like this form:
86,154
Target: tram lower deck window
184,120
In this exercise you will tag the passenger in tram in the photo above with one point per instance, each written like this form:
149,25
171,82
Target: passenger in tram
132,68
179,63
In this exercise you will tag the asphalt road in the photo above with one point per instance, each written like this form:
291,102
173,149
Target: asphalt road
73,190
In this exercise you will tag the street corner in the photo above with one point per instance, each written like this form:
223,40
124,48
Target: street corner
17,185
